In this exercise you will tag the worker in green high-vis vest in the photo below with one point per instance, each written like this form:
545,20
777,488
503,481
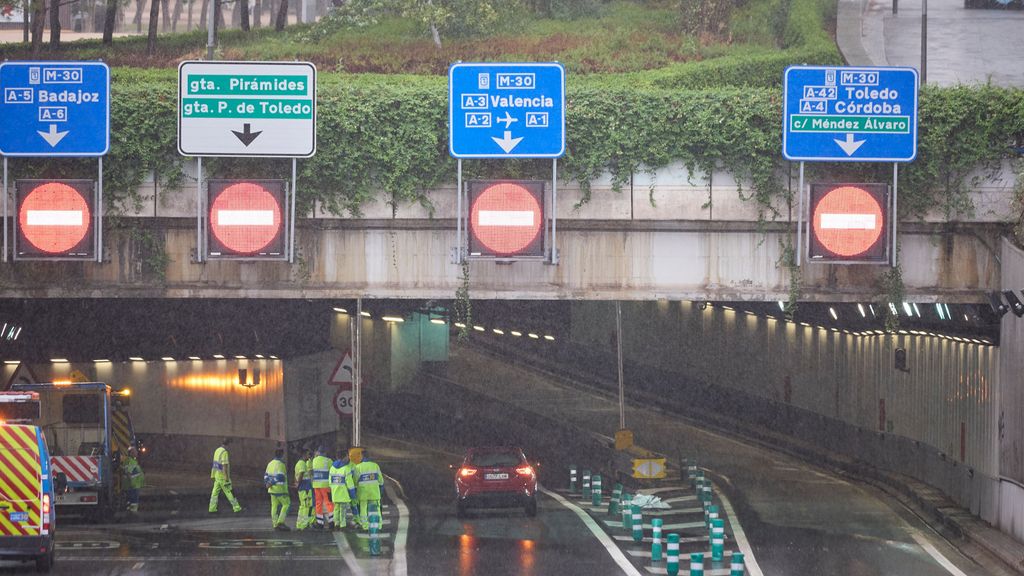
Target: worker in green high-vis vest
276,480
221,475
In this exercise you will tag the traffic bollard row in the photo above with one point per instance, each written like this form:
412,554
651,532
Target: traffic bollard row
710,515
656,524
596,490
613,502
717,539
736,566
572,478
586,484
672,555
637,523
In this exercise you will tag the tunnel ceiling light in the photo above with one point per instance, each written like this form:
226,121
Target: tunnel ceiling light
218,356
101,360
516,333
860,308
167,359
532,335
365,314
239,357
59,360
136,359
478,328
907,309
549,337
727,307
398,319
460,325
832,312
194,358
260,356
274,357
916,309
437,321
12,362
18,333
940,312
871,307
340,310
499,331
892,309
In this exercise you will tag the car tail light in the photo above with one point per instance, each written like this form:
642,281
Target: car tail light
467,471
88,499
525,470
46,513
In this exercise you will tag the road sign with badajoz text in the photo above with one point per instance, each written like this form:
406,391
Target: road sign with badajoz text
850,114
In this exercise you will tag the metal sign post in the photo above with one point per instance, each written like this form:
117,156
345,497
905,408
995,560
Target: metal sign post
357,374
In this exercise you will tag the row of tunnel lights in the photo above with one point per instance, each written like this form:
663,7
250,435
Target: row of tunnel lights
909,308
459,325
163,358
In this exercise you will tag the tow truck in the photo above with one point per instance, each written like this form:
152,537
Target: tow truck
88,430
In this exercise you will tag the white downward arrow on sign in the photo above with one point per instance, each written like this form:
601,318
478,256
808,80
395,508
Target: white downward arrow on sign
52,137
850,145
508,142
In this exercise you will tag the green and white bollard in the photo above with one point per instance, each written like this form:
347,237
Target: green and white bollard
698,479
736,567
586,484
706,492
572,478
697,564
691,471
637,523
374,529
613,502
684,467
656,524
710,517
627,500
717,539
672,555
595,483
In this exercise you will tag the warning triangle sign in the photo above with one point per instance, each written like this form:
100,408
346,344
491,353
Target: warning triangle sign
22,375
342,373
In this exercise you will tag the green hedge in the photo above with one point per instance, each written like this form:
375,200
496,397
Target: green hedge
388,136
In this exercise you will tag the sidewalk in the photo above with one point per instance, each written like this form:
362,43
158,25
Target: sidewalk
964,46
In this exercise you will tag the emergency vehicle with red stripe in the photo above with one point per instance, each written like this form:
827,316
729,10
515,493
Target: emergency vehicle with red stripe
87,438
27,495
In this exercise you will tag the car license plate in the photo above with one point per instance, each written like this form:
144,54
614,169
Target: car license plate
19,516
501,476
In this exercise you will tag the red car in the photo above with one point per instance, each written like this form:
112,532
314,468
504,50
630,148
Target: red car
496,478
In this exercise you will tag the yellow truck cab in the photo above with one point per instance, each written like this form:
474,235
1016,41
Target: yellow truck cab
27,498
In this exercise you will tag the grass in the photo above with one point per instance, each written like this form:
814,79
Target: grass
638,40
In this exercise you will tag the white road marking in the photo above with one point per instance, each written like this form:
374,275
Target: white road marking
347,555
682,539
647,526
706,553
399,560
711,572
144,559
934,552
602,537
679,499
650,491
741,539
138,565
673,511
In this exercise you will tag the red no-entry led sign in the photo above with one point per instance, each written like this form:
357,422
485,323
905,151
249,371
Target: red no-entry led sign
246,219
506,218
56,220
849,223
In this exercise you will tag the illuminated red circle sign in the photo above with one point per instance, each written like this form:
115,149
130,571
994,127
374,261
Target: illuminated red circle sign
54,218
245,217
506,218
848,221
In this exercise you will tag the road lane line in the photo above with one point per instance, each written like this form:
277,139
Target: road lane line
598,532
107,559
741,539
399,561
711,572
647,526
347,555
934,552
138,565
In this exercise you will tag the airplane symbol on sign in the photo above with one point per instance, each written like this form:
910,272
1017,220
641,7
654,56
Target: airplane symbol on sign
508,120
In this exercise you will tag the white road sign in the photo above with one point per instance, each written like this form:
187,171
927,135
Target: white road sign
265,109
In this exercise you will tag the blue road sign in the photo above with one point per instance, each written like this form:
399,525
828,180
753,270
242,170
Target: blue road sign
862,114
54,109
506,110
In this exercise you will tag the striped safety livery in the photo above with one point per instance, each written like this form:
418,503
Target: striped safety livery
20,484
78,468
122,431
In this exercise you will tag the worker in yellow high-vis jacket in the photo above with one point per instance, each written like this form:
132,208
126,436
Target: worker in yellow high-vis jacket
221,475
322,488
368,480
276,480
342,490
304,484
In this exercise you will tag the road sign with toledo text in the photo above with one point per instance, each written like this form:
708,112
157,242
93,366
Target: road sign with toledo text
54,109
863,114
506,110
265,109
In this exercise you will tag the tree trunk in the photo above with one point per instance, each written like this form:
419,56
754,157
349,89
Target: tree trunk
167,14
109,20
54,23
26,9
282,16
435,35
138,15
202,14
218,9
38,23
154,20
257,14
177,15
244,9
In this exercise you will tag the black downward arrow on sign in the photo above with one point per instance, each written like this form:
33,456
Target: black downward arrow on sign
246,135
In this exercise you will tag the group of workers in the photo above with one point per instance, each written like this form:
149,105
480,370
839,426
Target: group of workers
330,487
